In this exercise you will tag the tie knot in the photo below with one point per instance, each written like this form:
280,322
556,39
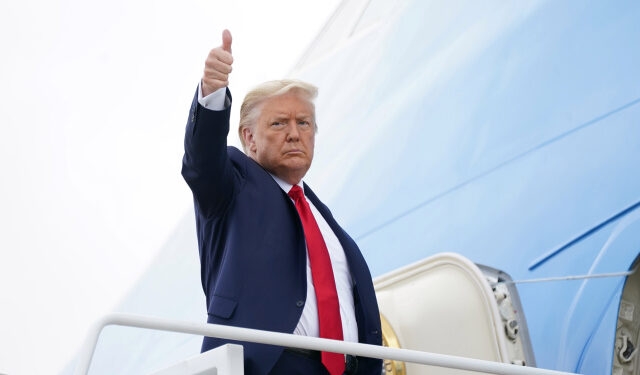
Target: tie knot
296,193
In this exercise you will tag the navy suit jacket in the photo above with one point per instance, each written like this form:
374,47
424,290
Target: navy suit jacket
252,247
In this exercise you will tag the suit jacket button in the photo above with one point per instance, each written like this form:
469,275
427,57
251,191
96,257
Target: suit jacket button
300,303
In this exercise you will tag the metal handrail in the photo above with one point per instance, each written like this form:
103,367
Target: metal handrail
296,341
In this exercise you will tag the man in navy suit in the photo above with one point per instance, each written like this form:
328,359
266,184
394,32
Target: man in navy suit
272,255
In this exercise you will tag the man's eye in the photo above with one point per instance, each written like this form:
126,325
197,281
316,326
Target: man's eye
276,123
306,123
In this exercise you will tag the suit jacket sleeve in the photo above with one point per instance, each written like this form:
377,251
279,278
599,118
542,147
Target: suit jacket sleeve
205,166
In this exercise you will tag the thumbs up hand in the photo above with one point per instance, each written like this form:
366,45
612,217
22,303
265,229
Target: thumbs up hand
218,66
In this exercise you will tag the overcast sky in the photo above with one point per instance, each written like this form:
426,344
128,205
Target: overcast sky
94,98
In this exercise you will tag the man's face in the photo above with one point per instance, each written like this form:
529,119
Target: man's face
283,138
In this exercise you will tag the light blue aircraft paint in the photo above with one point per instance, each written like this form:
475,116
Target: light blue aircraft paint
508,132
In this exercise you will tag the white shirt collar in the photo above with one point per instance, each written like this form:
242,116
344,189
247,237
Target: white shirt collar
285,185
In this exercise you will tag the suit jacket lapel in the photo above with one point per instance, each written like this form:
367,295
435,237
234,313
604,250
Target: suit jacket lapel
326,214
365,305
350,250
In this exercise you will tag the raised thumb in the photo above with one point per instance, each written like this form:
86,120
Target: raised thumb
226,40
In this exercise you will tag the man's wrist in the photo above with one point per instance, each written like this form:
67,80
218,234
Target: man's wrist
216,101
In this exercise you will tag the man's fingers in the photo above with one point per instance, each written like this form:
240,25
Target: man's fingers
215,74
218,66
215,64
215,83
226,40
225,57
220,54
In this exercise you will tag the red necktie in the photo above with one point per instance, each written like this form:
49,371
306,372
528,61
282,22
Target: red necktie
323,282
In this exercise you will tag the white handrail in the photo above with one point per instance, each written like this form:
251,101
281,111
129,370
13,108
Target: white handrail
296,341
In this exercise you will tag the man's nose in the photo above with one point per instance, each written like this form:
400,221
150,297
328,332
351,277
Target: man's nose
293,133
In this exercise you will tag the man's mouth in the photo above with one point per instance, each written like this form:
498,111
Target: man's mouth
293,152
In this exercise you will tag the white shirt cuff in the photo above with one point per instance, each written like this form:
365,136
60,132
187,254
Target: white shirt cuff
214,101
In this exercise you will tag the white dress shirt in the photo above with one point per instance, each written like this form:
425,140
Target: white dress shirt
308,324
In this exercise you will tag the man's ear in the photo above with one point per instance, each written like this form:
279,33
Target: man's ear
247,135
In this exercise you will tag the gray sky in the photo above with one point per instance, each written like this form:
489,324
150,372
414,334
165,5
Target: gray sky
94,98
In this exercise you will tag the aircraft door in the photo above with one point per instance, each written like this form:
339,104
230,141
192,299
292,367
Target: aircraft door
625,359
446,304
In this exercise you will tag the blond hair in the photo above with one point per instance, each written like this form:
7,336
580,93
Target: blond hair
251,106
